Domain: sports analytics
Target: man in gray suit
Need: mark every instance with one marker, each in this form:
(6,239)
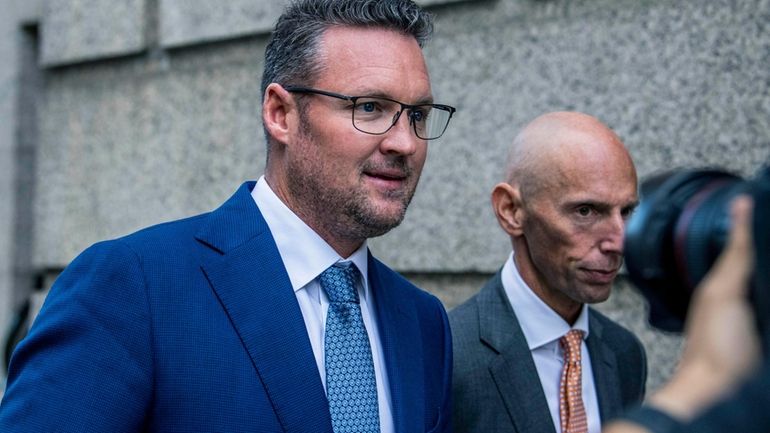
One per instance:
(570,187)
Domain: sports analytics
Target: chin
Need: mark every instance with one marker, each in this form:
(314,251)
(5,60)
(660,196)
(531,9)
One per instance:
(596,297)
(592,293)
(389,209)
(388,221)
(373,224)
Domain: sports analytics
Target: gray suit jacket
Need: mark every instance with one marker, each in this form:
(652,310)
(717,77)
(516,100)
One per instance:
(495,383)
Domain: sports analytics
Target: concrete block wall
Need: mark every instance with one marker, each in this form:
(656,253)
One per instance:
(17,50)
(149,110)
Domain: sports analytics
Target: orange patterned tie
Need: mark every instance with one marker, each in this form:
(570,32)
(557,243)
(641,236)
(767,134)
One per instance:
(571,410)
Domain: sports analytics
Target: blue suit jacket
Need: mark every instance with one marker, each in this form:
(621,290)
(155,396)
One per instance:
(192,326)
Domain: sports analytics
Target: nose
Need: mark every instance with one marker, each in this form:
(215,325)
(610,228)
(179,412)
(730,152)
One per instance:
(401,138)
(613,233)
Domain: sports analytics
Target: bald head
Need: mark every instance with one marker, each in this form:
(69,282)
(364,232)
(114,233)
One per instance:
(571,187)
(555,145)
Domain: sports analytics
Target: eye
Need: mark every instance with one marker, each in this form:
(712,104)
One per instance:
(584,210)
(370,108)
(419,115)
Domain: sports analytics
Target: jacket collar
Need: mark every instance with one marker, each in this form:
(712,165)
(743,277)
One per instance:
(248,278)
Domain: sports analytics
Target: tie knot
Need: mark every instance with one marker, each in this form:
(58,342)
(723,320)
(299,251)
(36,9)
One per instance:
(338,281)
(570,342)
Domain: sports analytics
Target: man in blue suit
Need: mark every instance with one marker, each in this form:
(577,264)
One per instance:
(222,322)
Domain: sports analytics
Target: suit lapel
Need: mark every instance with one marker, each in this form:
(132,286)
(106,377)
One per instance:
(605,370)
(397,323)
(513,370)
(253,287)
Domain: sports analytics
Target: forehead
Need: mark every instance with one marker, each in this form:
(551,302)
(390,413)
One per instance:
(362,60)
(588,175)
(592,187)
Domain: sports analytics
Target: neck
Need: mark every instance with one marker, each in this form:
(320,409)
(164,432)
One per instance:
(341,245)
(567,308)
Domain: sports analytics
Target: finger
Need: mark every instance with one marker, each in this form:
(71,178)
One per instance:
(737,260)
(741,217)
(729,275)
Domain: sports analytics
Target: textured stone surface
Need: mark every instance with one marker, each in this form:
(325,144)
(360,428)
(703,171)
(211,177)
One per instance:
(451,288)
(683,83)
(79,30)
(684,86)
(440,2)
(190,21)
(184,22)
(13,245)
(8,51)
(129,144)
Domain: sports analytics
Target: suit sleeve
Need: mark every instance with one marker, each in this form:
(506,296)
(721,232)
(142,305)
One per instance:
(86,364)
(445,423)
(745,411)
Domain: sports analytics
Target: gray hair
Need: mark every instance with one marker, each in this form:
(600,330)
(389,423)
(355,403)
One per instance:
(291,56)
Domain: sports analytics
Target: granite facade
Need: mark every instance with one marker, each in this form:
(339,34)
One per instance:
(185,128)
(683,83)
(82,30)
(8,79)
(184,22)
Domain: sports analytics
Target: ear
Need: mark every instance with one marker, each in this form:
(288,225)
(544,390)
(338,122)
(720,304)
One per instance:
(506,202)
(279,113)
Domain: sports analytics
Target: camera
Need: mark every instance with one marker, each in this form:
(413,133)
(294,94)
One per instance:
(677,232)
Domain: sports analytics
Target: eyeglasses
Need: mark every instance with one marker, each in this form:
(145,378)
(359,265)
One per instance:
(376,115)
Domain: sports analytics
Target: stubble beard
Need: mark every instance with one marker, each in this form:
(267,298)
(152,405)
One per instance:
(343,213)
(368,221)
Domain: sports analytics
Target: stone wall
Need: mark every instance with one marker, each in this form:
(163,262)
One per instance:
(149,110)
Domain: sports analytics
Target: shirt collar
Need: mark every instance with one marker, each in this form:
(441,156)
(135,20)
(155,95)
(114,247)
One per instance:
(304,253)
(539,323)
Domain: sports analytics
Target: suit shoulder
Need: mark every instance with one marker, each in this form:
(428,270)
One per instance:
(611,327)
(465,312)
(488,298)
(624,342)
(164,231)
(157,243)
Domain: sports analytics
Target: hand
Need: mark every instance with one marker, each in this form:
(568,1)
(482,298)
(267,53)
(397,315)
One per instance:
(722,346)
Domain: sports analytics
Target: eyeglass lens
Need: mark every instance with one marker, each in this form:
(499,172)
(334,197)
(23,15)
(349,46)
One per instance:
(376,116)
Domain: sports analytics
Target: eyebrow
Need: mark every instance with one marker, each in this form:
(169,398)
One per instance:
(380,94)
(599,205)
(633,205)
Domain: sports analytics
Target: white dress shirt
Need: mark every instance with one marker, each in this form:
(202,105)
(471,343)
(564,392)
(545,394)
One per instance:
(543,327)
(305,255)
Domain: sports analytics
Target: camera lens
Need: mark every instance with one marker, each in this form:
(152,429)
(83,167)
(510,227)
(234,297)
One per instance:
(674,236)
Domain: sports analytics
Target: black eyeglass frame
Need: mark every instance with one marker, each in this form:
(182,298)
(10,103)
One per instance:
(408,107)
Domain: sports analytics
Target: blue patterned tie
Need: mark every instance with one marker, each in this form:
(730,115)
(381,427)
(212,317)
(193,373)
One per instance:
(350,383)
